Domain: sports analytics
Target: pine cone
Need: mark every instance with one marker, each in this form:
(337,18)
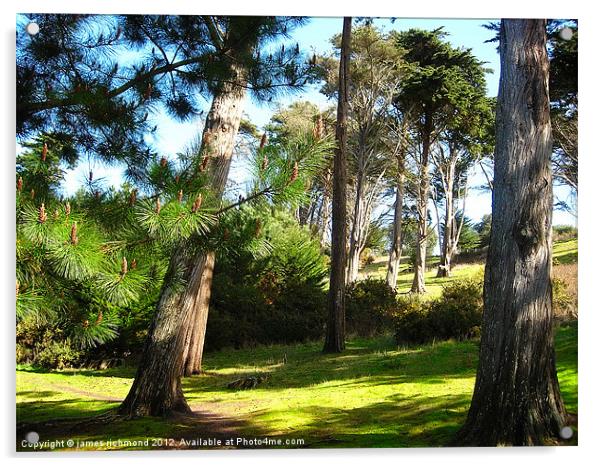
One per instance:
(20,184)
(133,197)
(44,152)
(163,162)
(74,238)
(42,215)
(124,266)
(264,140)
(158,205)
(67,209)
(180,195)
(197,203)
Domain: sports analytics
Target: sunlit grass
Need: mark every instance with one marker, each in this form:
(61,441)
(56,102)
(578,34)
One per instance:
(374,395)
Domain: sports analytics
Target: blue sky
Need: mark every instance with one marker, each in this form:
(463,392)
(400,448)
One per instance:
(172,136)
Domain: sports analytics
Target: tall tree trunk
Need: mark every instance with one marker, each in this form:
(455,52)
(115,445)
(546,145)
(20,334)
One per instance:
(448,246)
(396,242)
(516,399)
(325,211)
(195,333)
(335,330)
(357,224)
(418,285)
(157,386)
(226,106)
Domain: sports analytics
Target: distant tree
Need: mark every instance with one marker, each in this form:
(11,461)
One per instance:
(298,118)
(439,87)
(374,76)
(564,100)
(517,398)
(484,230)
(460,146)
(335,330)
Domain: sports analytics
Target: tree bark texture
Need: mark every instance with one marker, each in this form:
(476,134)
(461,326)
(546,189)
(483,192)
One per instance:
(418,285)
(449,233)
(178,327)
(516,400)
(222,126)
(335,330)
(395,253)
(358,222)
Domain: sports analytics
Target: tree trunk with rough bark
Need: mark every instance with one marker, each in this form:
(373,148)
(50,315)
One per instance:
(195,337)
(220,133)
(357,225)
(335,330)
(516,399)
(448,246)
(418,285)
(395,253)
(178,328)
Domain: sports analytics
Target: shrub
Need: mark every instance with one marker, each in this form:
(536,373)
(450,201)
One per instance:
(58,355)
(456,314)
(564,232)
(459,310)
(411,320)
(277,297)
(367,257)
(564,299)
(45,346)
(369,304)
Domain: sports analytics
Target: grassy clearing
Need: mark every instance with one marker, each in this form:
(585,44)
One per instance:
(373,395)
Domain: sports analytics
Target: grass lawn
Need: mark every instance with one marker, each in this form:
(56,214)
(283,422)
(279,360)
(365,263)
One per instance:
(375,394)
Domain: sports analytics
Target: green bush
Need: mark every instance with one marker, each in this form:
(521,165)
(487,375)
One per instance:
(459,310)
(411,320)
(369,304)
(278,297)
(456,314)
(58,355)
(564,232)
(564,302)
(45,346)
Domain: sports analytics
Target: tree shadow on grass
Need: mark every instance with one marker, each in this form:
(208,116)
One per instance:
(430,364)
(414,421)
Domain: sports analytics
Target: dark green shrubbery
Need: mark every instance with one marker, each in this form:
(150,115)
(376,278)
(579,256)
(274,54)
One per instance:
(456,314)
(45,346)
(369,304)
(271,296)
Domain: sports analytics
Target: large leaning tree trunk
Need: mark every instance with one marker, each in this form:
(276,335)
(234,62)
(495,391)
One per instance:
(516,399)
(227,106)
(181,314)
(335,329)
(418,285)
(397,240)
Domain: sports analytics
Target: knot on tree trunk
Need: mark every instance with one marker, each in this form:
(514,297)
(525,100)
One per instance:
(527,235)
